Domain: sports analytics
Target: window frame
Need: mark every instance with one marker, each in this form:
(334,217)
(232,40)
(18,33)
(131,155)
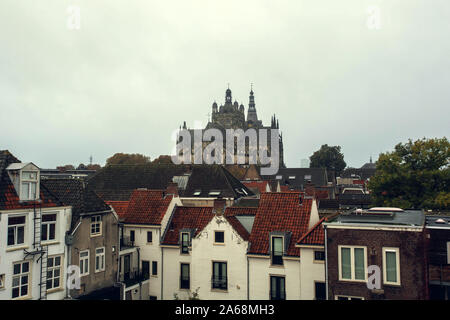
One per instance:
(397,265)
(86,261)
(184,249)
(319,260)
(20,275)
(283,294)
(352,263)
(154,272)
(183,264)
(48,224)
(220,278)
(151,236)
(273,261)
(28,182)
(52,269)
(101,256)
(215,237)
(98,222)
(15,226)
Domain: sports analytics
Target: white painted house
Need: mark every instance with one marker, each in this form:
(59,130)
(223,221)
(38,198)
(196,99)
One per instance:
(33,225)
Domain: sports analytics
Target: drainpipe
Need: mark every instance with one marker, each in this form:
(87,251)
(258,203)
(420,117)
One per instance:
(326,262)
(162,272)
(248,280)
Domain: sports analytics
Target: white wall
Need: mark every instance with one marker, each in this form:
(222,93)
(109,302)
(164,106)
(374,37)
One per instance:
(261,270)
(310,272)
(10,255)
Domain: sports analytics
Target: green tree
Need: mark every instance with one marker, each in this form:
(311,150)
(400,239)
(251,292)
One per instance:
(329,157)
(415,175)
(126,158)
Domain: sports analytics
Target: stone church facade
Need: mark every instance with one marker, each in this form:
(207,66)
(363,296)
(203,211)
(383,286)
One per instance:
(231,115)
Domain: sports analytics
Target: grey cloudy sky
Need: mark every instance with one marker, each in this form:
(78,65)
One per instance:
(136,69)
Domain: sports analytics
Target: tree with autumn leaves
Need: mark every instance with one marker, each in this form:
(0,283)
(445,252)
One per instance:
(414,175)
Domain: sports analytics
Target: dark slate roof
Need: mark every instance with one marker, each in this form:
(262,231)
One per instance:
(117,182)
(9,198)
(431,221)
(319,177)
(364,173)
(76,193)
(405,218)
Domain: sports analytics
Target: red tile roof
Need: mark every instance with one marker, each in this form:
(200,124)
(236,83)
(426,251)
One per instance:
(9,200)
(315,236)
(120,207)
(260,186)
(147,207)
(232,212)
(187,218)
(279,211)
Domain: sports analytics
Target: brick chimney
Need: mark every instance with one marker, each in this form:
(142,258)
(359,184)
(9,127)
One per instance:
(172,189)
(219,206)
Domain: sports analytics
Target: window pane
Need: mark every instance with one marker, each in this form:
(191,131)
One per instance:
(25,267)
(50,262)
(359,264)
(11,236)
(391,266)
(33,190)
(20,235)
(57,261)
(52,232)
(49,217)
(345,263)
(16,220)
(278,245)
(24,191)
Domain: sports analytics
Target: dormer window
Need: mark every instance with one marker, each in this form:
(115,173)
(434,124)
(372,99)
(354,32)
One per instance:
(277,250)
(197,192)
(25,178)
(215,193)
(184,242)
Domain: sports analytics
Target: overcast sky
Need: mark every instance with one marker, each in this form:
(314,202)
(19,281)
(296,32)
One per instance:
(136,69)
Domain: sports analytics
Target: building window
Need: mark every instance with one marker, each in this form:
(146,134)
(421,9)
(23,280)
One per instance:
(277,288)
(184,276)
(132,237)
(320,291)
(149,236)
(184,242)
(352,263)
(28,185)
(319,255)
(146,269)
(2,281)
(448,252)
(96,225)
(391,266)
(48,231)
(53,272)
(219,237)
(219,277)
(16,230)
(307,178)
(277,250)
(84,263)
(100,259)
(21,279)
(154,268)
(348,298)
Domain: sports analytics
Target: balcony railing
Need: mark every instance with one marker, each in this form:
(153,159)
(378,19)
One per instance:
(125,243)
(219,283)
(134,277)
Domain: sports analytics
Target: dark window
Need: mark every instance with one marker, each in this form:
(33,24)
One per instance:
(277,288)
(319,255)
(184,276)
(185,242)
(132,235)
(154,268)
(146,269)
(219,237)
(153,297)
(320,291)
(219,278)
(277,250)
(149,236)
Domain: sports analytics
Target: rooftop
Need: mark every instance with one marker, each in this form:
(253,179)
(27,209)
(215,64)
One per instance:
(441,222)
(380,217)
